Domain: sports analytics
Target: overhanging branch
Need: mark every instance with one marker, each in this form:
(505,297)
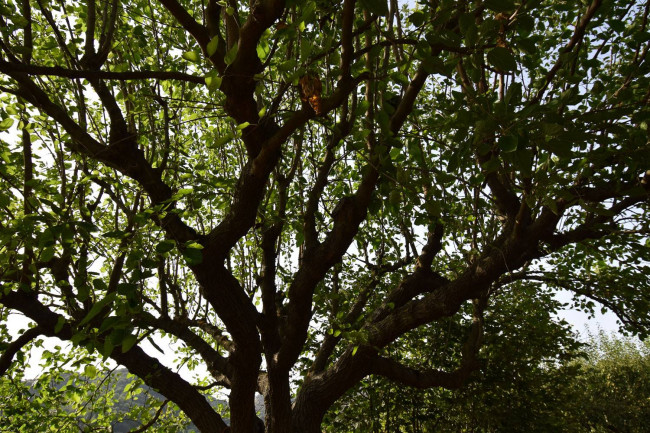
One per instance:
(15,346)
(58,71)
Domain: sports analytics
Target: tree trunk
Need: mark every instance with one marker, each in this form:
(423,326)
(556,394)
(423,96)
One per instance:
(278,402)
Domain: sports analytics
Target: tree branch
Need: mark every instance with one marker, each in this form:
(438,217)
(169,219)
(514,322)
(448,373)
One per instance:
(15,346)
(198,32)
(421,379)
(123,155)
(216,364)
(578,34)
(348,215)
(58,71)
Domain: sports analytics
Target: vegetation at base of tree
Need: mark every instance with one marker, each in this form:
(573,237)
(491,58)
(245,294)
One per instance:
(309,199)
(602,385)
(69,398)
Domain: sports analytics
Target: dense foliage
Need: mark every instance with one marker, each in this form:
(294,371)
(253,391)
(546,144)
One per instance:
(314,197)
(601,387)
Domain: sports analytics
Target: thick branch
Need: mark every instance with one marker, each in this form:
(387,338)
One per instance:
(106,38)
(15,346)
(348,215)
(431,248)
(215,362)
(58,71)
(422,379)
(251,185)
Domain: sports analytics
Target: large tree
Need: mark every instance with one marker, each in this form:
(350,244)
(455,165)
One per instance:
(294,191)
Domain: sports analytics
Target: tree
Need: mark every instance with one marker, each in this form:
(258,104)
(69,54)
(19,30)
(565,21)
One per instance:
(292,190)
(613,386)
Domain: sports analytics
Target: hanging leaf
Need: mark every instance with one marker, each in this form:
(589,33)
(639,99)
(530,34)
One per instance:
(230,55)
(211,48)
(508,143)
(192,56)
(502,59)
(97,307)
(6,124)
(128,342)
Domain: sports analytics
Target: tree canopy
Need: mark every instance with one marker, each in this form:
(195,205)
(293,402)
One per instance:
(304,194)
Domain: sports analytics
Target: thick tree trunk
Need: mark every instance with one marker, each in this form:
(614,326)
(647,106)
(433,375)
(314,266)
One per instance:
(278,402)
(307,420)
(242,395)
(311,404)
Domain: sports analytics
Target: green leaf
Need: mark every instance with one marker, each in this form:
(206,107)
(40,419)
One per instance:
(230,55)
(127,289)
(194,245)
(213,81)
(354,350)
(47,254)
(98,307)
(165,246)
(90,371)
(508,143)
(108,348)
(19,21)
(192,56)
(491,165)
(128,342)
(288,66)
(116,234)
(263,50)
(110,322)
(417,18)
(211,48)
(100,285)
(60,321)
(6,124)
(552,129)
(502,59)
(219,142)
(193,256)
(561,148)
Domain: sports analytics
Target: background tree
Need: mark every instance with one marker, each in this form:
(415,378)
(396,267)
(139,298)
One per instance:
(611,391)
(290,190)
(545,382)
